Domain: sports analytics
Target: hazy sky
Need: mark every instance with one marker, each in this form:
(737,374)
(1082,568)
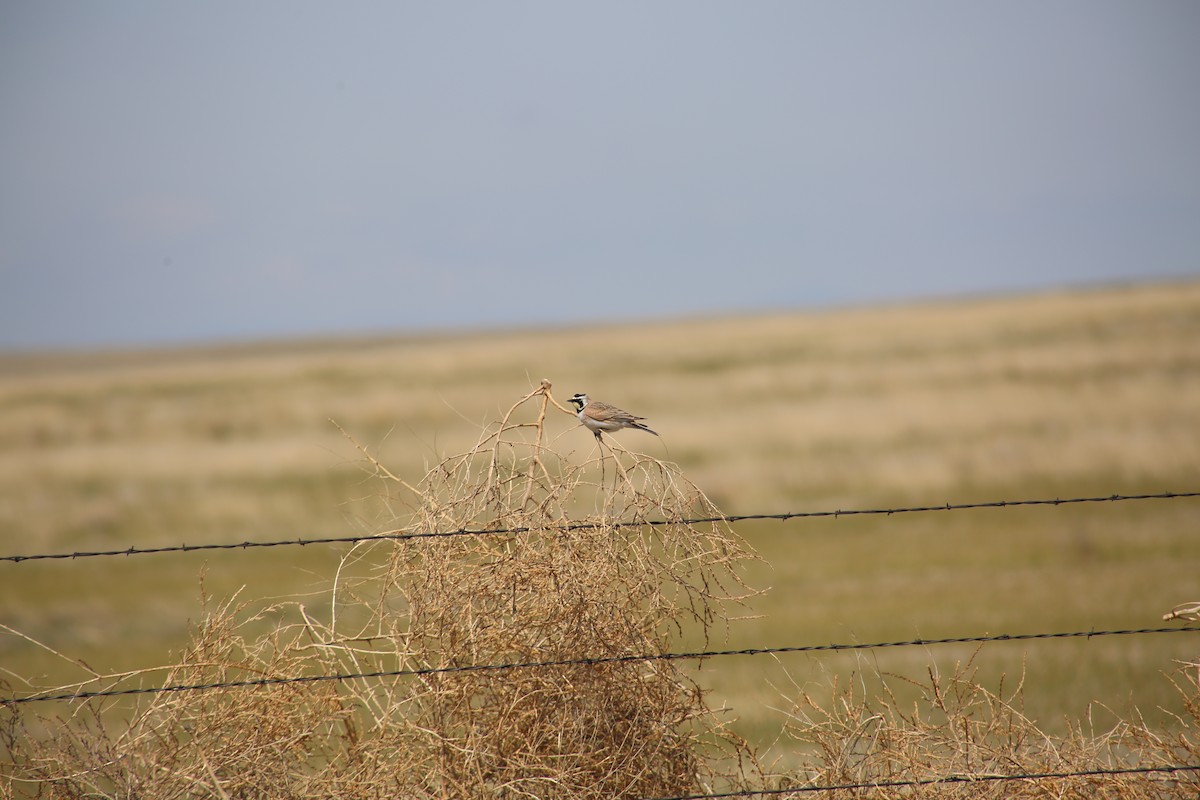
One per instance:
(192,171)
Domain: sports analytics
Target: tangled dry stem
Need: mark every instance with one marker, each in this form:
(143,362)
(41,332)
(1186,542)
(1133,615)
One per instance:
(956,728)
(594,589)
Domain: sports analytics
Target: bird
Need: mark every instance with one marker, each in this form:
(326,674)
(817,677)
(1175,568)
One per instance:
(597,416)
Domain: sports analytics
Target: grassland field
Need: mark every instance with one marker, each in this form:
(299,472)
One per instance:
(1062,394)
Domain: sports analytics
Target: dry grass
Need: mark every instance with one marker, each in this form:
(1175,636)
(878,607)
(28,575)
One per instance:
(946,735)
(593,590)
(573,580)
(1055,395)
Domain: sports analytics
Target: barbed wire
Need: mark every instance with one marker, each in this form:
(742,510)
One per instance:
(752,651)
(399,535)
(914,782)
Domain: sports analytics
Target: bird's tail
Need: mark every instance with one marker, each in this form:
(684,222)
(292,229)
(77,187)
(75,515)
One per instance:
(642,427)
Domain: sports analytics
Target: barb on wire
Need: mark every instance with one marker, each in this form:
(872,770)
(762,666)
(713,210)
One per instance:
(731,518)
(751,651)
(914,782)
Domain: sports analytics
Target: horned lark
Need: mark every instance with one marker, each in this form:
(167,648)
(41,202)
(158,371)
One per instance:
(597,416)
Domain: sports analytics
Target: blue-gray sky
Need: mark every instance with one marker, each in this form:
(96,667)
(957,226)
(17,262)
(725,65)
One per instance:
(192,171)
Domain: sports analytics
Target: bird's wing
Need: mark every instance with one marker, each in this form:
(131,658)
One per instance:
(603,412)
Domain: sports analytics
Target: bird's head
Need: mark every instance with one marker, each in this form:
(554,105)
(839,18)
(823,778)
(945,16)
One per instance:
(580,400)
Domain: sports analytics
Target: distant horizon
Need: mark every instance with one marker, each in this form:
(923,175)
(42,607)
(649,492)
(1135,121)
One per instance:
(335,339)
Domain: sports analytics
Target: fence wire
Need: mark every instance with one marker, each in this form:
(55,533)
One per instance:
(697,655)
(947,779)
(400,535)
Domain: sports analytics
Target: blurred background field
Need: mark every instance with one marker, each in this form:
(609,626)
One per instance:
(1052,395)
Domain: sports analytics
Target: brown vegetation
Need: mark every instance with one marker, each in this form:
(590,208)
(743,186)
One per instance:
(1056,395)
(545,593)
(958,739)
